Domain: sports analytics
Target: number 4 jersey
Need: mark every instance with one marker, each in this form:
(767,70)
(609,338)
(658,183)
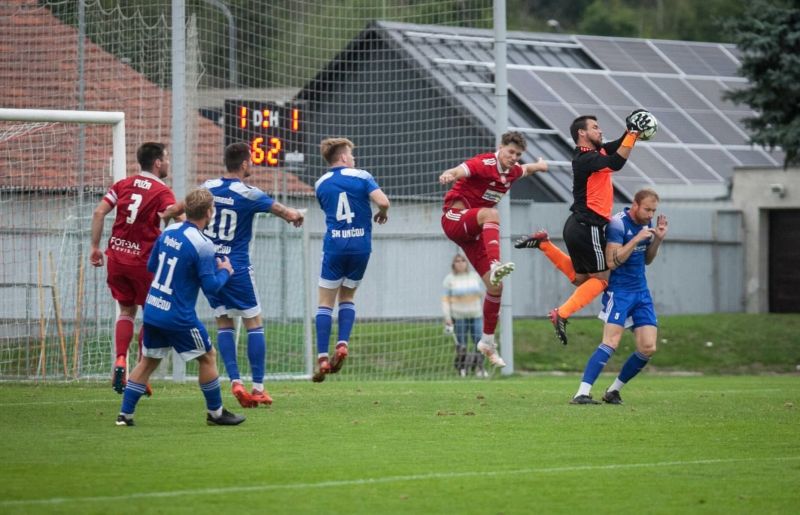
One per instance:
(138,199)
(231,228)
(343,194)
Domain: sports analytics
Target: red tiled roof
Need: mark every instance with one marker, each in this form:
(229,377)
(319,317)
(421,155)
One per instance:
(39,70)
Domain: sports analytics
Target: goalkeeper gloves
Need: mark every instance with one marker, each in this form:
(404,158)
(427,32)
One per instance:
(639,120)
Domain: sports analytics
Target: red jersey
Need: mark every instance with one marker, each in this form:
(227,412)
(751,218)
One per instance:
(138,200)
(485,183)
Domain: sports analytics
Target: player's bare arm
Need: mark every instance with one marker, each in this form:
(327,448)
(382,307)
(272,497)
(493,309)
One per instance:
(98,217)
(173,212)
(617,255)
(290,214)
(382,201)
(452,175)
(659,232)
(539,166)
(223,263)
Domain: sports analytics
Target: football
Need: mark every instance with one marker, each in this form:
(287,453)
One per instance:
(647,124)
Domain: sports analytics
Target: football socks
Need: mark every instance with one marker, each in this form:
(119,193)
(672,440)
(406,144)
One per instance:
(227,349)
(257,353)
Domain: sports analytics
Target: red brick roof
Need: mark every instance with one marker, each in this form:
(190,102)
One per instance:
(39,70)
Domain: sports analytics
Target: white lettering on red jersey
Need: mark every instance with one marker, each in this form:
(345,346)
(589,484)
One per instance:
(484,185)
(138,199)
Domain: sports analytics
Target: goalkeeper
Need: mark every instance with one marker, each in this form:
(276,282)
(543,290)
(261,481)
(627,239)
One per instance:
(593,163)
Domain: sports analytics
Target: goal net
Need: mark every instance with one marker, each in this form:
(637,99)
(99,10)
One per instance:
(310,70)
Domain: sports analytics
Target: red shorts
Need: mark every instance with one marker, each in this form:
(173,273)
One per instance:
(461,226)
(129,284)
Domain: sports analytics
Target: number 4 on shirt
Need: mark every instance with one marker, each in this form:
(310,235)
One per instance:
(343,211)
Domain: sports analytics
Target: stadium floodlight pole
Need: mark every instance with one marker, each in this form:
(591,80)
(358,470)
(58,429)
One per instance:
(179,121)
(501,125)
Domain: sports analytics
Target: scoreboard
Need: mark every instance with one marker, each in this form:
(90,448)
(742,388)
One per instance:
(272,130)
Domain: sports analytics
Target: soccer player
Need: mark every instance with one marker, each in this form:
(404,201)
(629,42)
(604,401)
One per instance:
(593,163)
(231,229)
(633,242)
(471,220)
(344,194)
(142,201)
(182,262)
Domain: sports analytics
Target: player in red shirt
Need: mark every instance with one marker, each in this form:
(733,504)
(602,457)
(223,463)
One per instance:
(471,220)
(142,201)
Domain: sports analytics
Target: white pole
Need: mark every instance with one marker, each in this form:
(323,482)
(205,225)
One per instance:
(501,125)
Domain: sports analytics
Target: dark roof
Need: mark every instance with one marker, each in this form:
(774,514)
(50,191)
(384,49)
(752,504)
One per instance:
(554,78)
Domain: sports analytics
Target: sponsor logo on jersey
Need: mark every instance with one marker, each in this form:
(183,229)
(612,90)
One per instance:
(491,161)
(142,183)
(172,242)
(223,200)
(493,196)
(123,245)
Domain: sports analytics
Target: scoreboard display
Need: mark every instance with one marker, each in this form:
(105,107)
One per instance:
(272,130)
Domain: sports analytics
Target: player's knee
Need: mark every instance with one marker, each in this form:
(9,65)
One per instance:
(647,348)
(489,214)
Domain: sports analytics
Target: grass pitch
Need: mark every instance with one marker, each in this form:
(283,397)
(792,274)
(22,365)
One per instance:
(677,445)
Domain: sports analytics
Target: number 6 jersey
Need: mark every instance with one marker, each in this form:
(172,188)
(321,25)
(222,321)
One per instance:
(231,228)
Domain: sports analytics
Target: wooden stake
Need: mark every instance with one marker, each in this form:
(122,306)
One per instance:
(78,312)
(42,368)
(57,309)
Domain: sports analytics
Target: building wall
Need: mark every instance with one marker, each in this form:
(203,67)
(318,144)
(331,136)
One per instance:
(755,192)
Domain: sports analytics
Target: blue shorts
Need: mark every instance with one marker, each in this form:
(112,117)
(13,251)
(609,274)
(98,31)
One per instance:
(188,343)
(238,298)
(342,270)
(628,309)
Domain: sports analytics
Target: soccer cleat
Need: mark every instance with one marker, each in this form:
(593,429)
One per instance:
(560,325)
(244,398)
(533,241)
(148,390)
(490,351)
(612,397)
(338,358)
(226,419)
(324,369)
(261,397)
(118,377)
(498,271)
(583,399)
(122,420)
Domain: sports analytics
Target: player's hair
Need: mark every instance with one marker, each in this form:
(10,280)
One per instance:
(513,138)
(458,257)
(198,202)
(332,148)
(645,193)
(579,124)
(235,155)
(147,153)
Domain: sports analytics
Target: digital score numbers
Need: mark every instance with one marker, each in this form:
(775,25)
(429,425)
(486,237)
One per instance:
(271,130)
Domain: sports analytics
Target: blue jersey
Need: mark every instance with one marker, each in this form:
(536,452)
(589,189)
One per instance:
(343,194)
(182,262)
(231,228)
(631,275)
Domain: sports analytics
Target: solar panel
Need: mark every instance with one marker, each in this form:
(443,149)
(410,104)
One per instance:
(680,126)
(645,56)
(529,88)
(606,90)
(712,91)
(752,157)
(565,87)
(609,54)
(718,160)
(644,94)
(716,59)
(687,164)
(655,168)
(684,58)
(681,93)
(723,130)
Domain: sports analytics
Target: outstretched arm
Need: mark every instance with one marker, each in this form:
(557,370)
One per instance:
(539,166)
(452,175)
(290,214)
(98,217)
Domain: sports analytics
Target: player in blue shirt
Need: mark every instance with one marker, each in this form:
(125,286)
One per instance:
(344,194)
(231,229)
(632,243)
(182,261)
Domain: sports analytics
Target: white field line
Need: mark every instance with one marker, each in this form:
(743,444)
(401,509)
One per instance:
(381,480)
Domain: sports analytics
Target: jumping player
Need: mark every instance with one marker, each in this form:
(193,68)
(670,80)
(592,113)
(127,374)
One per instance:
(142,201)
(471,220)
(344,194)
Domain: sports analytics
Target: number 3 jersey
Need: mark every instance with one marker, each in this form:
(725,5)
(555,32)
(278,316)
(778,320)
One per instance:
(138,199)
(343,194)
(182,262)
(231,228)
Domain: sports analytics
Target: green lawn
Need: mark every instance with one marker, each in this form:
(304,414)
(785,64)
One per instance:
(677,445)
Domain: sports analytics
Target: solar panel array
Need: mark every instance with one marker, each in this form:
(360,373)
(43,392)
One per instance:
(555,78)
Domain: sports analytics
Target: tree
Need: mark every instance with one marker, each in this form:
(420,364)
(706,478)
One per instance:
(609,18)
(768,35)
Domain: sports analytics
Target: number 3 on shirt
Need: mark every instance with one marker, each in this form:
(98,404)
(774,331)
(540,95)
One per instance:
(343,211)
